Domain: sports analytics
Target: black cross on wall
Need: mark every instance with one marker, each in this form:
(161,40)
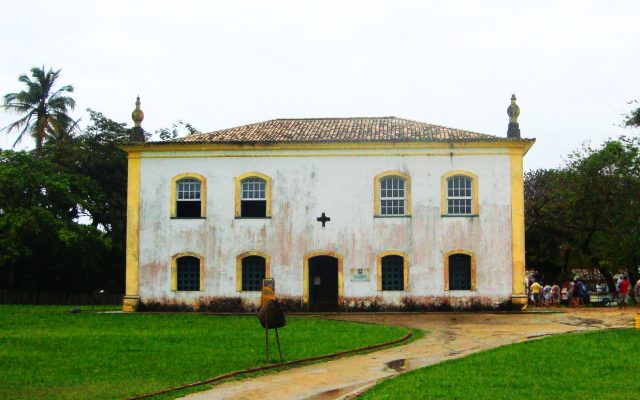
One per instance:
(324,219)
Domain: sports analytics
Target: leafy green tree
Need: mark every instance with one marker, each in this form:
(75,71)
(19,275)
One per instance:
(42,246)
(586,213)
(44,109)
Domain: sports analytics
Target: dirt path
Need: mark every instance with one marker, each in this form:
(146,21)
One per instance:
(450,335)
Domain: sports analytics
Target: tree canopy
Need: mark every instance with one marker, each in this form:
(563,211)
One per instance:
(586,214)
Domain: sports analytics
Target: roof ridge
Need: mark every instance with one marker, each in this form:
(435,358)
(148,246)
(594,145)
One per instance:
(448,127)
(330,118)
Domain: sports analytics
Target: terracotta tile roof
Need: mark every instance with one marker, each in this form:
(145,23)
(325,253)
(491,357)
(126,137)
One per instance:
(384,129)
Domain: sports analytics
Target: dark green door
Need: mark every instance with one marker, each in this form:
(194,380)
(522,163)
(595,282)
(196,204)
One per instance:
(323,283)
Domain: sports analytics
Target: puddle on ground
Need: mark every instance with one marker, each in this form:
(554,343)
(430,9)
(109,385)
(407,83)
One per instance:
(399,365)
(583,322)
(334,393)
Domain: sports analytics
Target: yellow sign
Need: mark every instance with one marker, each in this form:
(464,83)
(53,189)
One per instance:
(268,291)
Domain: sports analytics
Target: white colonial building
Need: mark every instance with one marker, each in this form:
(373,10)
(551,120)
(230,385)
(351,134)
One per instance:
(341,212)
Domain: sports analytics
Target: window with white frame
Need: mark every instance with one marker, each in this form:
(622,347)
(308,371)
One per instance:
(392,195)
(253,200)
(188,198)
(459,195)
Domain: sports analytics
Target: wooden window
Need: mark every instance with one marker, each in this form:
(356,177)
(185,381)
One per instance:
(253,202)
(253,272)
(459,272)
(188,198)
(459,195)
(188,273)
(393,272)
(392,196)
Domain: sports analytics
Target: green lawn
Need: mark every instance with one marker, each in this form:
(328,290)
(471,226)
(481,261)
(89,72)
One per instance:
(595,365)
(46,352)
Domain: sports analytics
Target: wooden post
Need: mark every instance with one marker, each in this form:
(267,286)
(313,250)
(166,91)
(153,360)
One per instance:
(279,350)
(266,331)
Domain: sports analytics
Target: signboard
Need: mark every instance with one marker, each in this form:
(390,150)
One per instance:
(268,291)
(360,275)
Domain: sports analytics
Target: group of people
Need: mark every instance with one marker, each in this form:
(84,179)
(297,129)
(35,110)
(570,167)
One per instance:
(545,295)
(576,291)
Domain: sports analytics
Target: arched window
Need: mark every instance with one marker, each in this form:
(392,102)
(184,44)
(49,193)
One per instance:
(392,271)
(253,196)
(188,200)
(188,196)
(460,270)
(251,268)
(392,194)
(460,197)
(187,271)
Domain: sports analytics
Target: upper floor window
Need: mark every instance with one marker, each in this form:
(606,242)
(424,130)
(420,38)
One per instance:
(392,194)
(460,194)
(187,272)
(188,200)
(251,268)
(253,196)
(188,196)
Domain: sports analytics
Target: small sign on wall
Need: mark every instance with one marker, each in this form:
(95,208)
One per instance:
(268,290)
(360,275)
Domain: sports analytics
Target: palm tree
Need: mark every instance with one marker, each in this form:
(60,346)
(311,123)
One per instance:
(45,111)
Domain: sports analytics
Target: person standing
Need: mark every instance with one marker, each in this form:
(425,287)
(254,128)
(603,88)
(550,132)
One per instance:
(623,288)
(556,294)
(535,291)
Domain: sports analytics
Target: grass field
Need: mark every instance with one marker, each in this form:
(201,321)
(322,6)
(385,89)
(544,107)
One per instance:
(46,352)
(595,365)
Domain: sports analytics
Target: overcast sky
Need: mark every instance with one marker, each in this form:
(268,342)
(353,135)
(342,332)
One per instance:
(572,64)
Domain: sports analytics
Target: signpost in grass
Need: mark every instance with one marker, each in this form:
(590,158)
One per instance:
(270,315)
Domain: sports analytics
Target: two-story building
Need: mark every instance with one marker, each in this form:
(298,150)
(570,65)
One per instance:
(341,212)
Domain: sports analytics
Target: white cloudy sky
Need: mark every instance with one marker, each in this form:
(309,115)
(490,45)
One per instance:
(572,64)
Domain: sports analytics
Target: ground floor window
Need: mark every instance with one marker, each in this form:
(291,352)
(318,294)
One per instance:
(188,273)
(392,272)
(459,272)
(253,272)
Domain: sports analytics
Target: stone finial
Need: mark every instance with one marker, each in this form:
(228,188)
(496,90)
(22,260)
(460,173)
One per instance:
(137,133)
(137,115)
(513,131)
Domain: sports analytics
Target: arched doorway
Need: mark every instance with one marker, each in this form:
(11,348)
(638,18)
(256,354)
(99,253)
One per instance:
(323,281)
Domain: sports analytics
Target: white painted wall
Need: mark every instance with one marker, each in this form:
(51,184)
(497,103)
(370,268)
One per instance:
(342,187)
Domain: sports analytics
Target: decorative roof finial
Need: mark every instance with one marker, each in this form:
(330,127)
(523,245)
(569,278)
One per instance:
(513,131)
(137,133)
(137,115)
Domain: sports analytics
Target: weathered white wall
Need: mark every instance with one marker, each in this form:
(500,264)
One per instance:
(342,187)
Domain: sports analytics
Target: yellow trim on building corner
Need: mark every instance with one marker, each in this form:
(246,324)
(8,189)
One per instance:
(376,190)
(203,191)
(174,269)
(405,260)
(305,274)
(238,189)
(132,294)
(239,257)
(475,206)
(473,267)
(518,296)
